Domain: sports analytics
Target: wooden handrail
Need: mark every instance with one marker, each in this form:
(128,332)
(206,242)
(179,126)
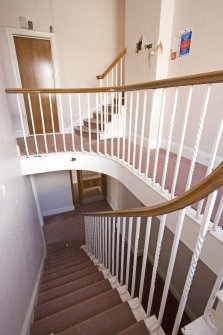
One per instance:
(198,192)
(117,59)
(198,79)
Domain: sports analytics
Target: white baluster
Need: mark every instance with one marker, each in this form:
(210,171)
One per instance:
(105,122)
(97,126)
(22,125)
(170,134)
(112,133)
(179,154)
(89,121)
(151,126)
(97,237)
(124,125)
(106,242)
(198,137)
(71,122)
(113,246)
(119,115)
(142,131)
(117,247)
(130,128)
(123,249)
(33,125)
(135,130)
(100,240)
(128,251)
(121,72)
(197,251)
(43,124)
(103,239)
(52,121)
(159,138)
(156,262)
(145,257)
(218,214)
(85,229)
(138,224)
(109,243)
(112,77)
(213,157)
(62,122)
(80,121)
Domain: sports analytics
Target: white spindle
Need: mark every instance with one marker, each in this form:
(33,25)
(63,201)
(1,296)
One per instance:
(218,214)
(89,121)
(109,243)
(112,77)
(33,125)
(159,138)
(117,247)
(119,115)
(43,124)
(183,132)
(138,223)
(80,121)
(198,137)
(97,237)
(123,249)
(22,125)
(130,128)
(62,122)
(135,131)
(145,257)
(128,251)
(156,262)
(151,126)
(113,246)
(97,126)
(103,239)
(170,134)
(106,241)
(213,157)
(124,125)
(142,130)
(216,288)
(100,240)
(173,254)
(107,79)
(52,121)
(105,122)
(112,134)
(121,72)
(71,122)
(197,251)
(85,229)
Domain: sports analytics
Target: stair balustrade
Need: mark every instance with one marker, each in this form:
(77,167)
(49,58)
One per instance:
(113,239)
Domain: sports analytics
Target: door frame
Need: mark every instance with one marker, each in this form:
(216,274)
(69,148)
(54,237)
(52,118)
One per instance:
(11,32)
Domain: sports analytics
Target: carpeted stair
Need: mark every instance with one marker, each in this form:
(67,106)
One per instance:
(77,296)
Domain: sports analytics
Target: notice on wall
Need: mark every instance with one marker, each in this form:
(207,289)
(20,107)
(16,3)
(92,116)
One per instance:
(185,42)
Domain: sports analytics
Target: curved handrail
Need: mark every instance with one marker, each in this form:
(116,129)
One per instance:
(198,192)
(110,67)
(198,79)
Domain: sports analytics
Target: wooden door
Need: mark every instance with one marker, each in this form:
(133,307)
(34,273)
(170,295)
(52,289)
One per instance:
(36,71)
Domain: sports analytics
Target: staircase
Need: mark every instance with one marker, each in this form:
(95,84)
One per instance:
(78,296)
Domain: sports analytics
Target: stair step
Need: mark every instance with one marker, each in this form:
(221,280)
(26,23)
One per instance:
(65,265)
(57,258)
(109,115)
(138,328)
(66,278)
(62,251)
(86,277)
(85,132)
(63,272)
(71,299)
(63,261)
(75,314)
(109,322)
(93,123)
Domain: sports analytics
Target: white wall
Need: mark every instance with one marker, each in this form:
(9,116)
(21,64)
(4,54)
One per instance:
(54,192)
(21,240)
(142,17)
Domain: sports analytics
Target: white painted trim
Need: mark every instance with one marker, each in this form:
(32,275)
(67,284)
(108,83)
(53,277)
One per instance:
(35,193)
(58,210)
(32,34)
(30,311)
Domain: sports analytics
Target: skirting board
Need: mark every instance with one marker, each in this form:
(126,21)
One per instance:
(58,210)
(29,314)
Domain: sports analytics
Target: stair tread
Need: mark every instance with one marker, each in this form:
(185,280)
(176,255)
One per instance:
(66,249)
(109,322)
(67,278)
(68,259)
(87,276)
(85,129)
(55,258)
(76,314)
(135,329)
(71,298)
(63,272)
(65,265)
